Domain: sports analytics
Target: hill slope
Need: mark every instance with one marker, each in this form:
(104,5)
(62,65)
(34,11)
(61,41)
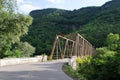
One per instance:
(94,23)
(107,21)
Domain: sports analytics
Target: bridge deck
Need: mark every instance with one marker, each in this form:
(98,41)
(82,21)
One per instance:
(35,71)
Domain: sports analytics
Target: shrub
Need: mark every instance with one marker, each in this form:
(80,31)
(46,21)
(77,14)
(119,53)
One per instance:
(84,68)
(113,41)
(25,48)
(105,64)
(18,53)
(79,60)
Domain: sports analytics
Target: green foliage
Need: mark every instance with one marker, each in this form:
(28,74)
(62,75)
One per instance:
(112,41)
(17,53)
(104,65)
(96,31)
(8,5)
(25,48)
(49,22)
(104,52)
(94,26)
(79,60)
(83,59)
(72,73)
(13,25)
(84,68)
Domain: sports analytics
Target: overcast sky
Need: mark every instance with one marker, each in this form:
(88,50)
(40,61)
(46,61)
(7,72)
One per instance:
(25,6)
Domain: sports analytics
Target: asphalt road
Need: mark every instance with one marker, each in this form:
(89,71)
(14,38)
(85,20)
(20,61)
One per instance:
(35,71)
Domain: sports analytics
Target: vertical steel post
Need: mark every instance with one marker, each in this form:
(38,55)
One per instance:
(54,45)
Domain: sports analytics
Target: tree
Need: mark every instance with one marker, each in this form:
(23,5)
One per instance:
(13,25)
(26,49)
(113,41)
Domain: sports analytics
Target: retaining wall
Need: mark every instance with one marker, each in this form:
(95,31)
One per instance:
(72,62)
(15,61)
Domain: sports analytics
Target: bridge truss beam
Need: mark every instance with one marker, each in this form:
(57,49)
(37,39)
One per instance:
(64,47)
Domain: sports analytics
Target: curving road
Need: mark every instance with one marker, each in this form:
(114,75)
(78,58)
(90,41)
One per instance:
(35,71)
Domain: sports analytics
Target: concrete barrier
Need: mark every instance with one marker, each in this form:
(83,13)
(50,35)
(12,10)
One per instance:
(72,62)
(15,61)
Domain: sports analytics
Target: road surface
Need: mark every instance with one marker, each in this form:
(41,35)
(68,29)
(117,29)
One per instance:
(35,71)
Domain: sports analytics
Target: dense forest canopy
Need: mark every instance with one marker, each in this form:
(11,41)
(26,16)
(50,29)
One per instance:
(94,23)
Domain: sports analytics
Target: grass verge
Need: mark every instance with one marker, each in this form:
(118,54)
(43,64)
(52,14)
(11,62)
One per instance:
(70,72)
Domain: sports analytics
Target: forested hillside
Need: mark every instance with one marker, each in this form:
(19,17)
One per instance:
(94,23)
(108,20)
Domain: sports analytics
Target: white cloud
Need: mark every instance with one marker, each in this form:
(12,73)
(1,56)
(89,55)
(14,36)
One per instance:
(23,2)
(57,1)
(29,2)
(20,1)
(26,8)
